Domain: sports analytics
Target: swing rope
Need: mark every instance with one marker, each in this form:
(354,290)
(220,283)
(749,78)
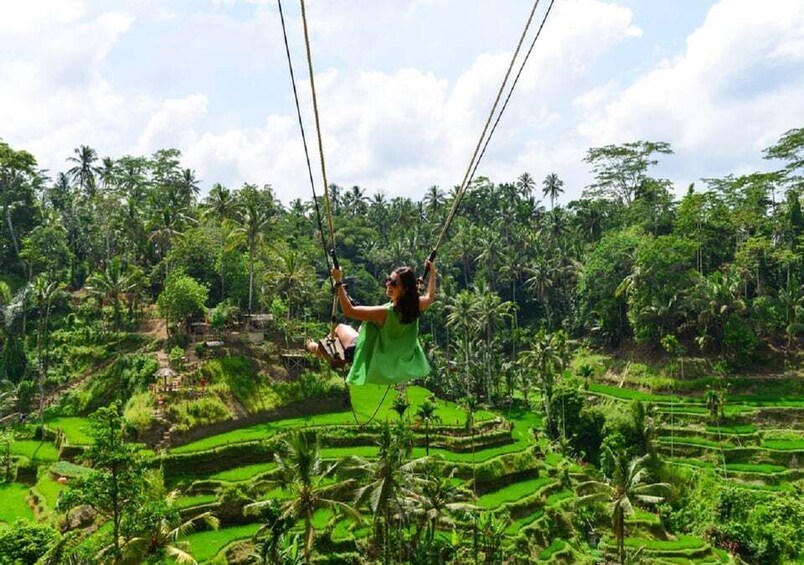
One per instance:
(331,253)
(485,139)
(304,141)
(474,162)
(334,316)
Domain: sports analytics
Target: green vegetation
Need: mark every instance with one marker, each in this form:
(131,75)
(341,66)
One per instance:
(14,506)
(205,545)
(626,366)
(75,429)
(41,451)
(511,493)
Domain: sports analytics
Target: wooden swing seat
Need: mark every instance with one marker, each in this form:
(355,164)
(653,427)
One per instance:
(333,351)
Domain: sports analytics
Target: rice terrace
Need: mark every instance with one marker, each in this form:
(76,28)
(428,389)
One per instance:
(592,364)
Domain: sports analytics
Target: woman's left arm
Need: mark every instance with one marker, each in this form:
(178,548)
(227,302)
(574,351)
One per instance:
(429,295)
(374,314)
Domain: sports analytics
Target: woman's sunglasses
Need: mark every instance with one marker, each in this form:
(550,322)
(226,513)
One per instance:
(392,282)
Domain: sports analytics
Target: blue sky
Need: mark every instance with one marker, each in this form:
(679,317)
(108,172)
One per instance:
(404,86)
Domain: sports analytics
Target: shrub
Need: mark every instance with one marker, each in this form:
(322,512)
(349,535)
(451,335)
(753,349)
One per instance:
(206,410)
(739,339)
(139,413)
(25,542)
(127,375)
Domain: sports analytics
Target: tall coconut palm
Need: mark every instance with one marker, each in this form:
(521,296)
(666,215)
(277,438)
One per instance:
(525,185)
(627,485)
(426,415)
(552,187)
(440,500)
(45,291)
(462,317)
(220,203)
(301,472)
(546,357)
(187,186)
(107,173)
(389,484)
(293,276)
(355,201)
(490,311)
(434,200)
(168,221)
(84,170)
(253,221)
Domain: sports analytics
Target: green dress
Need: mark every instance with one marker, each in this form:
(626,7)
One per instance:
(388,354)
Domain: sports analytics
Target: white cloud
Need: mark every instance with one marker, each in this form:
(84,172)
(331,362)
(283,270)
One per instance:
(402,100)
(735,89)
(171,123)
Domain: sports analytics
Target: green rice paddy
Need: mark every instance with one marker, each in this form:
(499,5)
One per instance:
(74,428)
(512,492)
(14,507)
(245,473)
(205,545)
(38,451)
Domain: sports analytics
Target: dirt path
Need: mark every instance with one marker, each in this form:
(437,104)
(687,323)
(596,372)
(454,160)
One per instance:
(154,327)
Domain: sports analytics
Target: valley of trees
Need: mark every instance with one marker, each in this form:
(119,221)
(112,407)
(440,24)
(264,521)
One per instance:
(647,346)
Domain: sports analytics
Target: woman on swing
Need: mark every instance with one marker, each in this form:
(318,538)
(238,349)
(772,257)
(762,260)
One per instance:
(386,350)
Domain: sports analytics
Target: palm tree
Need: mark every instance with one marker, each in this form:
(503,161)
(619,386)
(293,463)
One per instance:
(107,173)
(426,415)
(168,221)
(301,472)
(253,222)
(109,283)
(389,484)
(551,187)
(294,277)
(271,534)
(44,291)
(490,248)
(355,201)
(525,185)
(187,185)
(546,357)
(490,311)
(462,317)
(84,170)
(792,301)
(401,403)
(162,538)
(439,500)
(626,486)
(434,200)
(220,203)
(471,404)
(715,297)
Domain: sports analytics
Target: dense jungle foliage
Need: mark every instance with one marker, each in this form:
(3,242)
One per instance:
(586,318)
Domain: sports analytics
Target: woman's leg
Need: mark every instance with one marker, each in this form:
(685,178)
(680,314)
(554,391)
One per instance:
(346,334)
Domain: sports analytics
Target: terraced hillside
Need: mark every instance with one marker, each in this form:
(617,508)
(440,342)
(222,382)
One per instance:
(494,479)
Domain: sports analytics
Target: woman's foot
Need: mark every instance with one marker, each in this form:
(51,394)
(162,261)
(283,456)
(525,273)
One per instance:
(311,346)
